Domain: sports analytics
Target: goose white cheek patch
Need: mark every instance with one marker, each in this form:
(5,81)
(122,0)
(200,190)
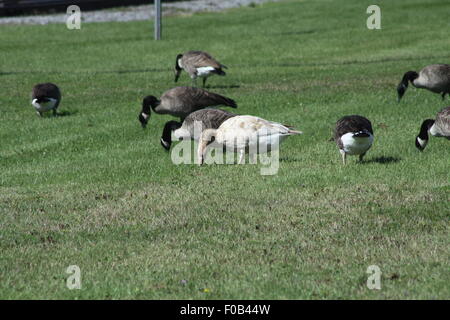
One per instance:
(422,143)
(44,106)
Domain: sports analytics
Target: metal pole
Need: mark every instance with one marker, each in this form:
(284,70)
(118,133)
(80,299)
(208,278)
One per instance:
(157,19)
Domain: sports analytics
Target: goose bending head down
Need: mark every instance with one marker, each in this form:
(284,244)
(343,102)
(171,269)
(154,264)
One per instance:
(435,78)
(45,97)
(193,125)
(438,127)
(353,136)
(244,134)
(198,64)
(182,101)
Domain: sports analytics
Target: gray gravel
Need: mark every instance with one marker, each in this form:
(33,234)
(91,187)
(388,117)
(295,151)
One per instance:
(135,13)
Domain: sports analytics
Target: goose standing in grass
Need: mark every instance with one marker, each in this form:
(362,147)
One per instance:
(353,135)
(243,134)
(207,118)
(198,64)
(435,77)
(440,127)
(45,97)
(180,102)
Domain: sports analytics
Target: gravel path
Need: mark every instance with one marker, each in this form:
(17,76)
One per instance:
(134,13)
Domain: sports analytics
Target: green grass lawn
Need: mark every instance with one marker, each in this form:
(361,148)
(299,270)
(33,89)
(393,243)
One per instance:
(93,189)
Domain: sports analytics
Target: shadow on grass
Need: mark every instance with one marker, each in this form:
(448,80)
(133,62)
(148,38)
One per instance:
(384,160)
(66,113)
(231,86)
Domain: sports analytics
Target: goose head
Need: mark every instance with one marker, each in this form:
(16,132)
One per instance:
(41,99)
(403,85)
(149,102)
(166,139)
(362,134)
(177,68)
(422,138)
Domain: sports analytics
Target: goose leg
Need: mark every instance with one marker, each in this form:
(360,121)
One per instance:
(343,155)
(204,81)
(54,112)
(39,113)
(361,157)
(443,95)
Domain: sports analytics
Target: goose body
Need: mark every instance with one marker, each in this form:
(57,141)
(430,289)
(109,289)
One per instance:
(435,78)
(353,136)
(243,134)
(198,64)
(439,127)
(205,119)
(181,101)
(45,97)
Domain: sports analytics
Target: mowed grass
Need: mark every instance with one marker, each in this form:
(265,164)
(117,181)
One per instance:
(91,188)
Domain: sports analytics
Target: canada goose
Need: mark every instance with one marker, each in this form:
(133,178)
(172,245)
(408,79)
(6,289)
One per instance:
(45,97)
(198,64)
(180,102)
(208,118)
(244,133)
(440,127)
(353,135)
(435,77)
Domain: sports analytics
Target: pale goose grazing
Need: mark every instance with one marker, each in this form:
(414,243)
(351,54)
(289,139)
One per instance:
(198,64)
(45,97)
(440,127)
(243,134)
(180,102)
(353,136)
(435,77)
(206,118)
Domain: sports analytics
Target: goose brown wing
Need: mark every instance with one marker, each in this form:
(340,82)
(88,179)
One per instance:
(353,123)
(442,122)
(198,59)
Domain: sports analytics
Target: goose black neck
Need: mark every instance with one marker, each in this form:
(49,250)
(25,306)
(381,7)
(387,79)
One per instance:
(409,76)
(145,108)
(426,125)
(149,102)
(167,132)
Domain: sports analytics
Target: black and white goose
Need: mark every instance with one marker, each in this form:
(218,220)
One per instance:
(435,77)
(198,64)
(193,125)
(45,97)
(353,135)
(439,127)
(180,102)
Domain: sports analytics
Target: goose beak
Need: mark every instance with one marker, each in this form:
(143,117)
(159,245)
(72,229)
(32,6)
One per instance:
(165,144)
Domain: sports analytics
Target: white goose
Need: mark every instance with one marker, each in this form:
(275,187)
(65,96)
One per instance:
(244,134)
